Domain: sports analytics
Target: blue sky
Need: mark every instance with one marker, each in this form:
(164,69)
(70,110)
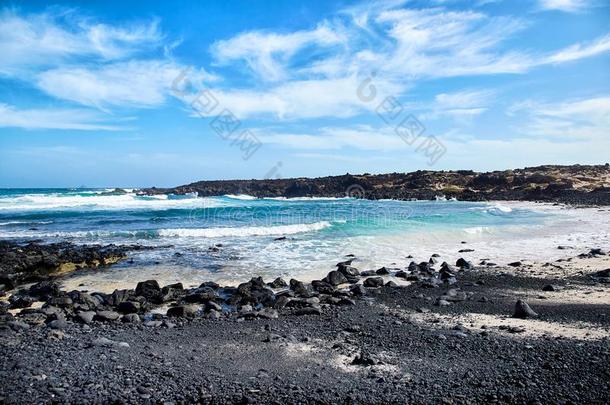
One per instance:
(105,93)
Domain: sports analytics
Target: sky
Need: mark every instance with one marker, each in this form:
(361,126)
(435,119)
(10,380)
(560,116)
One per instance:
(158,93)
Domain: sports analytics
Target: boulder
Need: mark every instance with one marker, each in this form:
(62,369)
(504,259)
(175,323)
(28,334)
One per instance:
(348,271)
(183,311)
(335,278)
(150,290)
(523,310)
(200,295)
(20,301)
(464,264)
(299,288)
(382,271)
(119,296)
(401,274)
(255,291)
(106,316)
(391,284)
(129,307)
(373,282)
(322,287)
(213,306)
(45,288)
(131,318)
(85,317)
(278,283)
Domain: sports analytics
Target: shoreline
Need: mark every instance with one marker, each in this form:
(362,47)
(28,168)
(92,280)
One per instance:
(438,330)
(390,342)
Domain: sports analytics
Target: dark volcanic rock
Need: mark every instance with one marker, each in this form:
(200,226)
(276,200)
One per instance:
(187,311)
(373,282)
(364,359)
(602,275)
(308,311)
(129,307)
(358,290)
(21,263)
(150,290)
(119,296)
(85,316)
(335,278)
(106,316)
(523,310)
(255,291)
(464,264)
(299,288)
(44,289)
(542,183)
(21,301)
(323,287)
(278,283)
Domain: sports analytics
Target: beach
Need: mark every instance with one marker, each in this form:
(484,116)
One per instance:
(310,202)
(394,343)
(419,301)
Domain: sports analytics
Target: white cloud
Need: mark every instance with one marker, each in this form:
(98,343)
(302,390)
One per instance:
(268,53)
(580,51)
(301,99)
(53,118)
(584,118)
(133,84)
(360,137)
(401,45)
(465,103)
(570,6)
(32,41)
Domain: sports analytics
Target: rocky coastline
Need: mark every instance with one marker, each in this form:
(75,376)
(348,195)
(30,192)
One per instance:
(37,261)
(356,336)
(575,185)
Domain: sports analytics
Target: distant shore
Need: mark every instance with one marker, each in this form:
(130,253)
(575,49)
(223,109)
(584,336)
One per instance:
(575,185)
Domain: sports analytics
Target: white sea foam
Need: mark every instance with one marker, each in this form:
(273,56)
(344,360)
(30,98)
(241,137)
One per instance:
(498,209)
(25,222)
(244,231)
(240,196)
(59,202)
(306,198)
(178,232)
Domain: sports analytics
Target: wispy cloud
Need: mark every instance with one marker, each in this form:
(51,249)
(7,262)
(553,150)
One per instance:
(143,84)
(465,103)
(401,45)
(357,137)
(580,51)
(570,6)
(303,99)
(28,42)
(53,118)
(268,53)
(583,118)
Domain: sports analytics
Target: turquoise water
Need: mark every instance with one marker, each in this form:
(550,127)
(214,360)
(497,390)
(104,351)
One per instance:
(318,231)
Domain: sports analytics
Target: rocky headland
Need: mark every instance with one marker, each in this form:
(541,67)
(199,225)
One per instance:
(575,185)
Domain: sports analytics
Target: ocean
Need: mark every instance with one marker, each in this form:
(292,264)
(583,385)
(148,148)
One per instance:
(234,237)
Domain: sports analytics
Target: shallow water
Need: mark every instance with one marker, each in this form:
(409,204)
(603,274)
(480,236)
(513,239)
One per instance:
(318,232)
